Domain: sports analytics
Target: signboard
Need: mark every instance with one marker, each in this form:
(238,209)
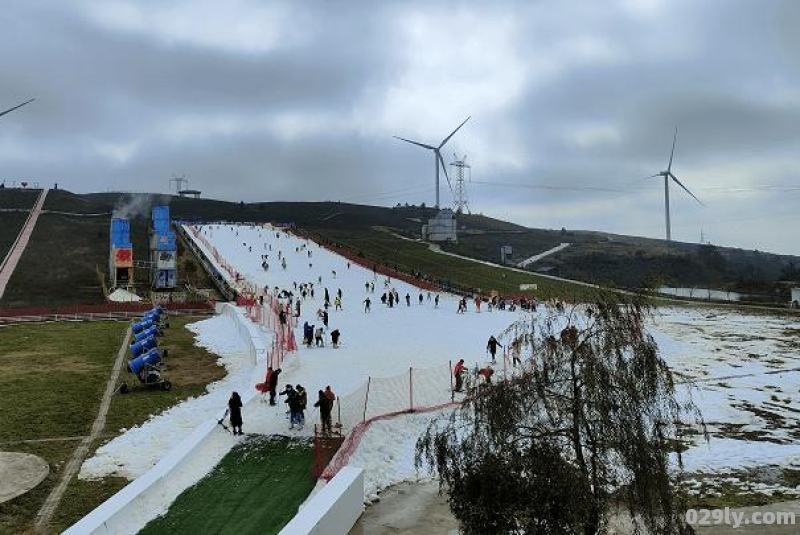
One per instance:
(165,278)
(524,287)
(165,260)
(123,258)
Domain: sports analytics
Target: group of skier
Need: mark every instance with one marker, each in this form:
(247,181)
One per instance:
(296,396)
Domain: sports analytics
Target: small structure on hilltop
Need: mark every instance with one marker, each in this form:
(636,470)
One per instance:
(441,227)
(163,251)
(187,192)
(795,301)
(506,252)
(120,259)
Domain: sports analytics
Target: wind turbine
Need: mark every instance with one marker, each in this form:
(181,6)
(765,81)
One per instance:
(437,156)
(15,107)
(667,175)
(9,110)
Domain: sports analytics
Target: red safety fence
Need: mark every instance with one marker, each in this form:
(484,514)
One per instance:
(218,258)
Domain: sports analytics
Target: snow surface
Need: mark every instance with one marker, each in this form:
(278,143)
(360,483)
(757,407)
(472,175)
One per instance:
(741,364)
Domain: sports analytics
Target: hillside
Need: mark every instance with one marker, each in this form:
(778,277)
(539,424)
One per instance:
(69,248)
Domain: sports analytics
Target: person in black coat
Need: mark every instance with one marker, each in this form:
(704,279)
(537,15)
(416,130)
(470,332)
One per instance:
(491,346)
(235,408)
(273,385)
(325,407)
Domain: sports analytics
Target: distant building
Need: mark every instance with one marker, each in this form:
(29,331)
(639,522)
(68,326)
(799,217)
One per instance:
(506,252)
(187,192)
(441,227)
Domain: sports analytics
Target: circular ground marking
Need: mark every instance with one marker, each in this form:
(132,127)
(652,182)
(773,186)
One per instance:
(19,473)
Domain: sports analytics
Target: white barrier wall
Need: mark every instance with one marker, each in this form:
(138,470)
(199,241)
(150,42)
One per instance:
(130,509)
(334,509)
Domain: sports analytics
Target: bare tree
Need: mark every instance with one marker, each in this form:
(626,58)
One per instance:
(585,429)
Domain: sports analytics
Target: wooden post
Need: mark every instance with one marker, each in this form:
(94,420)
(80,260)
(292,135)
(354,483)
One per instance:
(452,387)
(366,399)
(411,389)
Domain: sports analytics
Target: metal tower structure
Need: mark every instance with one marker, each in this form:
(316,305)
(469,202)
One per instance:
(460,192)
(181,182)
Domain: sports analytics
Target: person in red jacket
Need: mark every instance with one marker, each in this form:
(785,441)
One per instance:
(458,371)
(487,373)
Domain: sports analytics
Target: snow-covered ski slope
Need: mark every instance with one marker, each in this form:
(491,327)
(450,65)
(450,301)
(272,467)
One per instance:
(705,344)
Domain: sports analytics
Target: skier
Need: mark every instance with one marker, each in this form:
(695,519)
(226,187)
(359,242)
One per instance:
(487,373)
(366,304)
(303,402)
(335,337)
(408,300)
(337,303)
(235,408)
(436,302)
(325,406)
(516,348)
(318,339)
(325,318)
(458,372)
(272,382)
(491,347)
(420,298)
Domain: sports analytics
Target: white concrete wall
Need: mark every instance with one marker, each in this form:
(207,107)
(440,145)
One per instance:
(130,509)
(334,509)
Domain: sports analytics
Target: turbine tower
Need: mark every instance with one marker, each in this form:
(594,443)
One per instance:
(667,175)
(462,204)
(437,155)
(15,107)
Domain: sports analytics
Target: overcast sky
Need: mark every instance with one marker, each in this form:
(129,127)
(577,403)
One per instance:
(573,104)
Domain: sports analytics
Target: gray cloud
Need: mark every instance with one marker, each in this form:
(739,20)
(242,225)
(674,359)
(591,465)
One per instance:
(573,104)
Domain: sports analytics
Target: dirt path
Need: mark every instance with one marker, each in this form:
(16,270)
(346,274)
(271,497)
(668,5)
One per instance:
(45,514)
(9,263)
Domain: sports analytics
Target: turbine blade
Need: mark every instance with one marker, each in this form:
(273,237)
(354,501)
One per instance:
(15,107)
(685,188)
(671,154)
(415,142)
(453,132)
(444,168)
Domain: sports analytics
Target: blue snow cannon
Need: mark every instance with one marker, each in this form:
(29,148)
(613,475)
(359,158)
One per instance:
(142,325)
(147,333)
(143,346)
(149,359)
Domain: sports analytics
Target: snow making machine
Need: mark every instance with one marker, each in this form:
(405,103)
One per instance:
(147,363)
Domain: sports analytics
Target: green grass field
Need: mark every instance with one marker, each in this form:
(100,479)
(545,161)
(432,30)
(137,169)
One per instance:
(52,378)
(256,488)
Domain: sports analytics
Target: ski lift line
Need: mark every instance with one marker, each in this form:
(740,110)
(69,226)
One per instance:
(719,189)
(390,193)
(552,187)
(766,217)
